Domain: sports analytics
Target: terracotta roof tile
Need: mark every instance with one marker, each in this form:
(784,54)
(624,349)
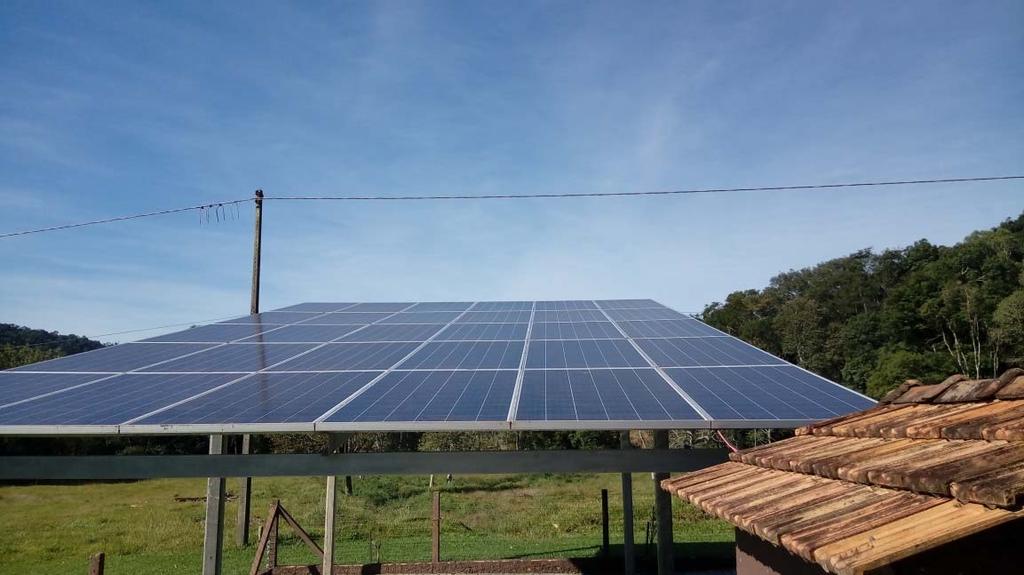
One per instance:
(856,492)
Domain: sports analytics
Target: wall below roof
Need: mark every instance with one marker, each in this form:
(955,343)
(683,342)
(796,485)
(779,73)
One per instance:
(993,551)
(755,556)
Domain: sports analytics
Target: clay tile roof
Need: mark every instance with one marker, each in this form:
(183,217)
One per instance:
(928,465)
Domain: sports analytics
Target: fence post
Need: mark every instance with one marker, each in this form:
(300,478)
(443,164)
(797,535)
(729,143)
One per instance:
(604,522)
(96,564)
(435,547)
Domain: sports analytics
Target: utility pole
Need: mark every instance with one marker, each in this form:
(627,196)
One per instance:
(244,503)
(254,305)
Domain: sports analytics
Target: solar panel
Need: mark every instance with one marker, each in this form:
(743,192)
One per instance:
(119,358)
(322,366)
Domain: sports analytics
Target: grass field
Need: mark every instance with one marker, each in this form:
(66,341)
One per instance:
(152,527)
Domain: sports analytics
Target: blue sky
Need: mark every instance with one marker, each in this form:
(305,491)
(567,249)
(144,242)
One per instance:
(110,108)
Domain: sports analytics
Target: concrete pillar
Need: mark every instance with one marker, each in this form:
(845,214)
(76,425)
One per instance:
(629,566)
(329,510)
(242,529)
(213,539)
(663,511)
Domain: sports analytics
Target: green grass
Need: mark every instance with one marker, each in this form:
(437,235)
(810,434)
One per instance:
(144,530)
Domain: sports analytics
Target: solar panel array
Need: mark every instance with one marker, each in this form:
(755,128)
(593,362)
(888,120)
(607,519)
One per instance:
(319,366)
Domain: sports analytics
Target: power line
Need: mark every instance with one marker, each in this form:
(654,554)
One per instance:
(124,218)
(656,193)
(518,197)
(97,337)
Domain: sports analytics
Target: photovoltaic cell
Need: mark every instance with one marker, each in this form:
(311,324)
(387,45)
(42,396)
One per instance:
(345,318)
(484,331)
(565,305)
(569,315)
(578,330)
(302,334)
(111,401)
(628,304)
(502,306)
(441,306)
(593,353)
(399,332)
(380,307)
(422,317)
(600,395)
(711,351)
(267,398)
(494,317)
(766,393)
(466,355)
(118,358)
(215,333)
(318,307)
(16,386)
(644,314)
(233,357)
(668,328)
(419,396)
(349,356)
(274,317)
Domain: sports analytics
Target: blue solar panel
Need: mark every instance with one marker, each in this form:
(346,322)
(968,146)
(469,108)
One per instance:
(578,330)
(349,356)
(302,334)
(233,357)
(400,332)
(766,393)
(507,316)
(583,354)
(466,355)
(565,364)
(318,307)
(709,351)
(600,395)
(441,306)
(565,305)
(628,304)
(432,396)
(346,318)
(381,307)
(569,315)
(16,386)
(112,401)
(275,317)
(118,358)
(267,398)
(215,333)
(422,317)
(669,328)
(502,306)
(484,331)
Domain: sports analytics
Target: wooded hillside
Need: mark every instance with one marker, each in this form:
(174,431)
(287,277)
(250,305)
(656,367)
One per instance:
(22,345)
(871,320)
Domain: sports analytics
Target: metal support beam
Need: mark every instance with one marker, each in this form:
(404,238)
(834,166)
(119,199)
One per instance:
(213,538)
(629,563)
(244,505)
(300,465)
(663,510)
(330,508)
